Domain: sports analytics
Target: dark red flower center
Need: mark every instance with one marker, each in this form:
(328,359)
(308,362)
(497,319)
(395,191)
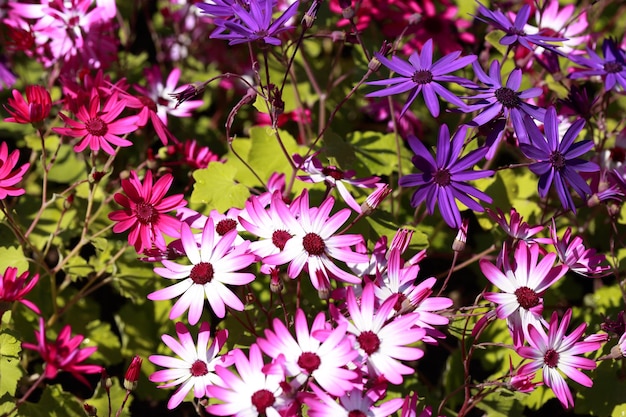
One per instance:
(313,244)
(557,160)
(368,341)
(551,358)
(434,24)
(331,171)
(280,238)
(224,226)
(263,399)
(442,177)
(309,361)
(356,413)
(526,297)
(422,77)
(618,154)
(146,213)
(202,273)
(96,127)
(507,97)
(612,67)
(149,103)
(199,368)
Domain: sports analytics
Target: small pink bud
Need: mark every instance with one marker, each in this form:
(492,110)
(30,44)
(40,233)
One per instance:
(461,237)
(132,374)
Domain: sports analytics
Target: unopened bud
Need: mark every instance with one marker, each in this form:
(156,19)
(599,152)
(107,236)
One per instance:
(276,284)
(347,11)
(132,374)
(461,237)
(374,63)
(311,14)
(105,380)
(67,203)
(96,176)
(338,36)
(373,200)
(401,240)
(189,92)
(90,410)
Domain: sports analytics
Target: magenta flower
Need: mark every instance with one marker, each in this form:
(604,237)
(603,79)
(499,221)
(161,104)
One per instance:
(34,109)
(558,159)
(9,176)
(321,353)
(444,179)
(98,128)
(516,227)
(573,253)
(382,343)
(556,354)
(254,391)
(63,354)
(421,75)
(314,243)
(195,365)
(212,267)
(352,404)
(14,288)
(565,22)
(144,213)
(522,286)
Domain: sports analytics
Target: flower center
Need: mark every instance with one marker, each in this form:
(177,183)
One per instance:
(515,31)
(612,67)
(198,368)
(96,127)
(422,77)
(618,154)
(280,238)
(551,358)
(146,213)
(224,226)
(557,160)
(356,413)
(202,273)
(442,177)
(507,97)
(309,361)
(368,341)
(313,244)
(334,172)
(526,297)
(262,399)
(149,103)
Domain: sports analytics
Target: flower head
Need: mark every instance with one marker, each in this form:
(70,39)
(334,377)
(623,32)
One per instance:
(145,208)
(421,75)
(444,178)
(612,68)
(9,176)
(556,354)
(14,288)
(574,254)
(63,354)
(34,109)
(131,377)
(195,365)
(352,404)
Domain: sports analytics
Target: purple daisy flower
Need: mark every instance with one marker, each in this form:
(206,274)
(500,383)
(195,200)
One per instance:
(254,23)
(557,158)
(496,98)
(444,179)
(421,75)
(612,68)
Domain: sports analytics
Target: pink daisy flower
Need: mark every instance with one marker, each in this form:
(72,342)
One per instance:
(556,354)
(97,128)
(14,288)
(195,366)
(212,268)
(9,176)
(573,253)
(522,286)
(321,353)
(144,211)
(314,244)
(382,343)
(254,391)
(353,404)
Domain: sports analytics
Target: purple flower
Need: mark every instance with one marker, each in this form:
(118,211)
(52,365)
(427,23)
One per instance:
(557,158)
(495,99)
(515,30)
(421,75)
(556,354)
(612,68)
(253,23)
(444,179)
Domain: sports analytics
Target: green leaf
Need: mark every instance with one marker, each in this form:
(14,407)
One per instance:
(67,168)
(607,390)
(501,404)
(53,403)
(266,155)
(12,256)
(216,187)
(493,38)
(109,346)
(10,368)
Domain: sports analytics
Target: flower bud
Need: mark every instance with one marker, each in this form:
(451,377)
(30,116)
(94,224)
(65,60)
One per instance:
(311,14)
(90,410)
(373,200)
(132,374)
(461,237)
(276,284)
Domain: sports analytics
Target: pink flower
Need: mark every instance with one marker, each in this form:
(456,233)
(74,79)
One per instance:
(14,288)
(555,353)
(34,109)
(9,176)
(254,391)
(315,243)
(573,254)
(98,128)
(522,286)
(354,403)
(131,377)
(212,267)
(382,342)
(144,211)
(516,227)
(63,354)
(566,23)
(320,354)
(195,366)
